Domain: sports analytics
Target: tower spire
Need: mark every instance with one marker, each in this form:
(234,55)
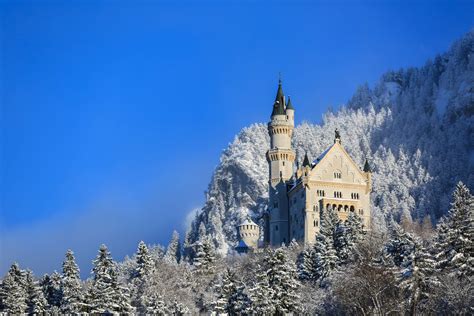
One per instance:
(279,104)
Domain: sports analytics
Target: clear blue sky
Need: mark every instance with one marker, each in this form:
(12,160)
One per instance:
(114,114)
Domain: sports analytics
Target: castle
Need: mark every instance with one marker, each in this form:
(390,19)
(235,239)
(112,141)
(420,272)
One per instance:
(333,180)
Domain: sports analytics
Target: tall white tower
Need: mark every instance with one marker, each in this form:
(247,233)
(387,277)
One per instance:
(280,159)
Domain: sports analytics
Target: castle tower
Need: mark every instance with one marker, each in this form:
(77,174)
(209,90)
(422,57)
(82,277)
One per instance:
(249,233)
(280,158)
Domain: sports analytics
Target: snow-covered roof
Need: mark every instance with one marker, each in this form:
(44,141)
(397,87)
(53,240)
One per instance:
(248,221)
(317,160)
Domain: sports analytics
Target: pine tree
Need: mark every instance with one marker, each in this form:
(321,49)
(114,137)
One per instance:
(106,295)
(178,309)
(154,304)
(173,252)
(14,293)
(325,254)
(261,294)
(346,237)
(72,295)
(455,235)
(282,279)
(51,285)
(204,261)
(36,302)
(399,246)
(417,275)
(144,267)
(306,264)
(231,299)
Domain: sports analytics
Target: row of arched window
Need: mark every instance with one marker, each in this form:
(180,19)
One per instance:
(338,194)
(320,193)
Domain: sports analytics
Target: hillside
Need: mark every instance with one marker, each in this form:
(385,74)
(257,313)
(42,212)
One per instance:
(416,127)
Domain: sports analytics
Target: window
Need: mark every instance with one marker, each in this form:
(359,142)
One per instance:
(275,205)
(355,196)
(283,163)
(320,192)
(276,227)
(337,175)
(338,194)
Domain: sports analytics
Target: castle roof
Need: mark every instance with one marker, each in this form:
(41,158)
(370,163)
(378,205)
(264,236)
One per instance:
(279,105)
(289,105)
(306,160)
(367,166)
(320,157)
(248,221)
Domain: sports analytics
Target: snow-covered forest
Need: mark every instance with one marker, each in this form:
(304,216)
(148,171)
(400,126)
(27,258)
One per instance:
(410,269)
(416,127)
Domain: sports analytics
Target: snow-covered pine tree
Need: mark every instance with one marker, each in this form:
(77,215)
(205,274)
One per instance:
(173,252)
(35,301)
(14,294)
(283,281)
(417,278)
(155,305)
(325,254)
(261,294)
(71,287)
(455,235)
(178,309)
(205,257)
(346,236)
(106,295)
(140,274)
(231,298)
(306,264)
(399,246)
(51,285)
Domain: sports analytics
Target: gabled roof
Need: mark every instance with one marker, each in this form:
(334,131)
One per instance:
(320,157)
(326,152)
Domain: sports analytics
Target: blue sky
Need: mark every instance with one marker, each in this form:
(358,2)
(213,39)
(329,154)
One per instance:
(114,114)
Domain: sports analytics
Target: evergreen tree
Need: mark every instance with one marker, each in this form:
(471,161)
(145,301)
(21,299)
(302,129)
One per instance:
(346,236)
(36,302)
(231,299)
(51,285)
(173,252)
(306,264)
(14,292)
(204,261)
(325,254)
(71,287)
(282,279)
(154,304)
(400,245)
(455,235)
(140,275)
(178,309)
(417,275)
(106,295)
(261,294)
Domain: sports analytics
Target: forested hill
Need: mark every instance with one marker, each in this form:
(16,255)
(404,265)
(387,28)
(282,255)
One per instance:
(416,127)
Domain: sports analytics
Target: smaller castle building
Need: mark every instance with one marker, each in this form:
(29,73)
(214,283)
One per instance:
(249,235)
